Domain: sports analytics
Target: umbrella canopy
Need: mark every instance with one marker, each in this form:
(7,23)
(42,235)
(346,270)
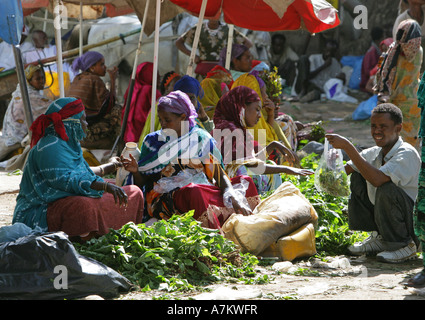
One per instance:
(115,8)
(269,15)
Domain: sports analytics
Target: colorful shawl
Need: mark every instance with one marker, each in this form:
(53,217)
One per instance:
(408,43)
(55,168)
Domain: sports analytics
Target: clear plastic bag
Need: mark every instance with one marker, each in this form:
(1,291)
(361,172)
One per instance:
(330,176)
(183,178)
(238,192)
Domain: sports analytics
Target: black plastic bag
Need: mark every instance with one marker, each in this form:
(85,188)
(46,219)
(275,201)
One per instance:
(47,266)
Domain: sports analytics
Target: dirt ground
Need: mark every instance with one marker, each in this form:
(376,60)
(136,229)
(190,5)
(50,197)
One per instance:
(341,278)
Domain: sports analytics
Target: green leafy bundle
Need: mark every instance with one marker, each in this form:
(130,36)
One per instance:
(334,183)
(174,255)
(273,84)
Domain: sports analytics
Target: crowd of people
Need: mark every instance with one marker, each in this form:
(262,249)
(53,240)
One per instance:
(220,130)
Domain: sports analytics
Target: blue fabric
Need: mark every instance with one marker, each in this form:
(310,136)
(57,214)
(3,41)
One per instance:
(356,63)
(364,110)
(55,169)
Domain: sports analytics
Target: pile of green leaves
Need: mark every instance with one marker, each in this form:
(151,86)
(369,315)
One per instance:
(175,255)
(333,235)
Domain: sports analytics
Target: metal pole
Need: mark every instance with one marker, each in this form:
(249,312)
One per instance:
(196,38)
(59,61)
(155,65)
(23,86)
(81,29)
(133,80)
(229,46)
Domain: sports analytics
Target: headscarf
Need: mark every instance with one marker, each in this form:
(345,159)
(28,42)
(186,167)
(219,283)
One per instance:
(179,102)
(387,42)
(168,77)
(84,62)
(251,81)
(189,84)
(230,114)
(237,51)
(212,92)
(56,113)
(140,104)
(407,42)
(222,74)
(30,70)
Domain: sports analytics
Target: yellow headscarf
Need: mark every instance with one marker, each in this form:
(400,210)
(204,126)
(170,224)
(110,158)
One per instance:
(30,70)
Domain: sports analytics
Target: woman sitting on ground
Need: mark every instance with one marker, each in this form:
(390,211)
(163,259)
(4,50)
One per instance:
(59,191)
(103,115)
(15,127)
(180,169)
(236,111)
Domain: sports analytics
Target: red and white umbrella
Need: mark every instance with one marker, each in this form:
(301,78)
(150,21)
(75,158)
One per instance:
(269,15)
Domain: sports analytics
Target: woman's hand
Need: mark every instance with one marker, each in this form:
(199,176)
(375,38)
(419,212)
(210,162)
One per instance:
(287,153)
(240,207)
(270,108)
(116,162)
(298,172)
(113,72)
(130,164)
(119,194)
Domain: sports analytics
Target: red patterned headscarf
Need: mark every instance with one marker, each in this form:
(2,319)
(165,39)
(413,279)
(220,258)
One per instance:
(68,108)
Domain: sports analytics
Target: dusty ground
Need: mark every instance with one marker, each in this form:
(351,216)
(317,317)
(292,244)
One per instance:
(361,278)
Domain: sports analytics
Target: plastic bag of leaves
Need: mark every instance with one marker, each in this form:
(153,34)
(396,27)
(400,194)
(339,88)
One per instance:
(330,176)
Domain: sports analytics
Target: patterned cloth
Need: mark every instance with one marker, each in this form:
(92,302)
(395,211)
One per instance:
(399,77)
(211,41)
(419,209)
(14,123)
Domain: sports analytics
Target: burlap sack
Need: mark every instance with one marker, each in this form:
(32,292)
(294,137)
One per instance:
(283,212)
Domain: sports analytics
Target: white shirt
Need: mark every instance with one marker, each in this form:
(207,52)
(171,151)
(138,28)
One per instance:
(402,165)
(7,58)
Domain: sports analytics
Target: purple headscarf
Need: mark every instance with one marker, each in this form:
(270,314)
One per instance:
(86,61)
(179,102)
(237,51)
